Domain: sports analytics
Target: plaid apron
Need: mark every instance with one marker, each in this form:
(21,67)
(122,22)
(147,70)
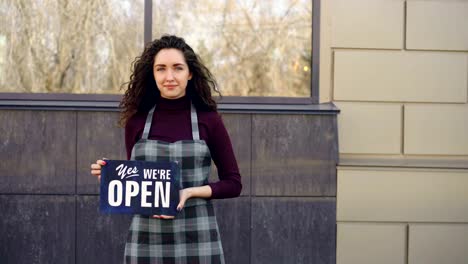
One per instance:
(193,236)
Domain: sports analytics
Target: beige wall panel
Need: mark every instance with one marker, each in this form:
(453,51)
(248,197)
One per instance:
(437,25)
(370,128)
(370,243)
(436,129)
(435,244)
(397,195)
(400,76)
(367,24)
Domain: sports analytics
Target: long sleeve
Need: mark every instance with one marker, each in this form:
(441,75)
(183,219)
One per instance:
(129,140)
(219,143)
(133,131)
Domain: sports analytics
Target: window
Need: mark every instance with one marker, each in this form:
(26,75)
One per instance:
(68,46)
(253,47)
(260,48)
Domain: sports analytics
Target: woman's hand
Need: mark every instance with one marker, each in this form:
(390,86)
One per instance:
(96,168)
(184,195)
(187,193)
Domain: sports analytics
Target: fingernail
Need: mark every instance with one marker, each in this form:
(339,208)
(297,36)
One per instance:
(105,163)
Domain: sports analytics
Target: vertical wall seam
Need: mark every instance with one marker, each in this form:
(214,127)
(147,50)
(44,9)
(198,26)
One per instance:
(329,30)
(407,244)
(402,150)
(76,153)
(329,22)
(405,13)
(332,74)
(251,153)
(76,229)
(76,187)
(251,188)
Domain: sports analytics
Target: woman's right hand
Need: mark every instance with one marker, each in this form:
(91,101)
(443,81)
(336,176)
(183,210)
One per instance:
(96,168)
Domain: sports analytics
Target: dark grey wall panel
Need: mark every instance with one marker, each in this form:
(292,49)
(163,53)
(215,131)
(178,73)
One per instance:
(37,229)
(37,151)
(233,217)
(100,237)
(293,230)
(98,136)
(294,155)
(239,129)
(279,156)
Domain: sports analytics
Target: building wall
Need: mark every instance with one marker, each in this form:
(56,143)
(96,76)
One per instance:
(398,71)
(49,200)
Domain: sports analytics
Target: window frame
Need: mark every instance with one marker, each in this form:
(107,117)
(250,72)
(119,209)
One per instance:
(111,101)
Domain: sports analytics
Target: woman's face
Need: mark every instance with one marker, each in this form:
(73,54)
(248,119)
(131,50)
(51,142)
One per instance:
(171,73)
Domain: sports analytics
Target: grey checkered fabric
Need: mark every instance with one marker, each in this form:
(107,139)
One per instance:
(193,236)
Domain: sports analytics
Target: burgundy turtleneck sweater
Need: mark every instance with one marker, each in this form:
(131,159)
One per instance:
(171,122)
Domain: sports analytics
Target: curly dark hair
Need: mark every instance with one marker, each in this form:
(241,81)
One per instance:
(142,92)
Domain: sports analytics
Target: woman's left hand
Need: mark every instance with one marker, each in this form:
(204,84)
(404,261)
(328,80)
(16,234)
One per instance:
(184,195)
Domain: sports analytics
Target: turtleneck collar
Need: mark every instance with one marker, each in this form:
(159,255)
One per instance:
(173,104)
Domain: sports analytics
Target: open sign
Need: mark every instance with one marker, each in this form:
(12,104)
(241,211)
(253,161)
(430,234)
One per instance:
(140,187)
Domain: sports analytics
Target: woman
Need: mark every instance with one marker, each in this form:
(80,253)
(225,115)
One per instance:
(169,115)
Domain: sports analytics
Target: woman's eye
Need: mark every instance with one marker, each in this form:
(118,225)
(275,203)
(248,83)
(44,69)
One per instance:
(159,69)
(179,68)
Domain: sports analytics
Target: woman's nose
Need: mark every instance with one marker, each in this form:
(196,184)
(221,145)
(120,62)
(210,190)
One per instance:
(170,75)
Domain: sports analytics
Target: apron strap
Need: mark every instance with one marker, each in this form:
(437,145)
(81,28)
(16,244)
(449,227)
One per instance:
(194,118)
(149,118)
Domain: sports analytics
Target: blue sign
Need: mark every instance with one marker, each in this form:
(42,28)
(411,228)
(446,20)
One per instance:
(140,187)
